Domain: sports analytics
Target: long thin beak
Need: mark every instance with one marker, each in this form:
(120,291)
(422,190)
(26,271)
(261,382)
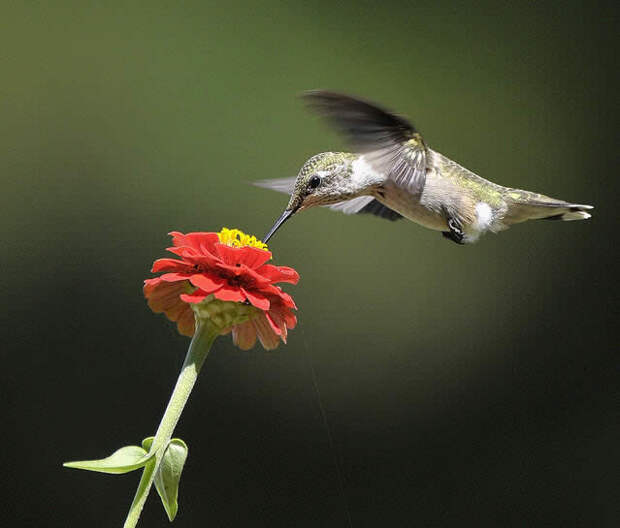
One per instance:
(285,216)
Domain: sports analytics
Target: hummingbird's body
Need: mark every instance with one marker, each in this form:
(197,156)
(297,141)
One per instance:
(396,175)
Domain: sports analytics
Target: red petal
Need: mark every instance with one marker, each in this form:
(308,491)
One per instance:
(170,264)
(259,280)
(207,244)
(268,338)
(286,299)
(257,299)
(176,310)
(229,293)
(291,320)
(206,260)
(279,273)
(150,284)
(186,323)
(182,251)
(250,256)
(162,290)
(279,310)
(186,253)
(229,255)
(248,275)
(174,277)
(177,237)
(195,240)
(244,335)
(167,303)
(254,257)
(194,297)
(274,325)
(203,260)
(162,296)
(207,282)
(195,245)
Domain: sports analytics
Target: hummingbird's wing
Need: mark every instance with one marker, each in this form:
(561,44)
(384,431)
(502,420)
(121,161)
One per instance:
(378,209)
(389,142)
(366,205)
(361,204)
(284,185)
(351,206)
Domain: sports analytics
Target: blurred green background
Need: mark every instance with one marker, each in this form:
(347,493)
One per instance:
(458,385)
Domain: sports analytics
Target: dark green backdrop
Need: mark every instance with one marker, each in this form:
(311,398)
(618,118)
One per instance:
(460,385)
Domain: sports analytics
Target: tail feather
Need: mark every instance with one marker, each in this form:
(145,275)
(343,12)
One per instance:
(576,212)
(524,205)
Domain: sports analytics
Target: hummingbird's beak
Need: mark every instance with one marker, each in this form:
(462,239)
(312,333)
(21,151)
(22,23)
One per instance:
(285,216)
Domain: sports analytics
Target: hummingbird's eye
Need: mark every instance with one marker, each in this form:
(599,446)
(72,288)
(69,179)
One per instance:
(314,182)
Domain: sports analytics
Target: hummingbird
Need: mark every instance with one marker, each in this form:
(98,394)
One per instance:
(392,173)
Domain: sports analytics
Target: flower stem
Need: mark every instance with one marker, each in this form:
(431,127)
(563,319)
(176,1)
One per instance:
(204,337)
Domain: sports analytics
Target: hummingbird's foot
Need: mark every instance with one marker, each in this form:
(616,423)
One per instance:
(456,232)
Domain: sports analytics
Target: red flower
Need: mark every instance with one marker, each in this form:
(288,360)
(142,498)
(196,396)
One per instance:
(228,266)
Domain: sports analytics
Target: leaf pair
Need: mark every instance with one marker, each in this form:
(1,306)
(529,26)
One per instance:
(130,458)
(169,473)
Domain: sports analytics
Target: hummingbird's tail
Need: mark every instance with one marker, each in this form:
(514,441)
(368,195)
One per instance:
(525,205)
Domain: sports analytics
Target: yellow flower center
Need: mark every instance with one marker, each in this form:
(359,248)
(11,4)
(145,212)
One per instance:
(237,238)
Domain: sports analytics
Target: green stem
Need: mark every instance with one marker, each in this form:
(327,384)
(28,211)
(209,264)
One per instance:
(199,348)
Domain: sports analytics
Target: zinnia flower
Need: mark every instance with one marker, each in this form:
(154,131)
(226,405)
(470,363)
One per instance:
(224,277)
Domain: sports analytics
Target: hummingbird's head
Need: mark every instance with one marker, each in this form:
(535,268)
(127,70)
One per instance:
(323,180)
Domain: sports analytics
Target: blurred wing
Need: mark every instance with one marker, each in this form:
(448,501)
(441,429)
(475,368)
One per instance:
(366,205)
(391,144)
(378,209)
(283,185)
(351,206)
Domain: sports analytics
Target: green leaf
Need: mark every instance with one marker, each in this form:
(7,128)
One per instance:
(124,460)
(147,443)
(169,474)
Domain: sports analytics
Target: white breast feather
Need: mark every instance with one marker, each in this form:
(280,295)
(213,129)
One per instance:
(484,216)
